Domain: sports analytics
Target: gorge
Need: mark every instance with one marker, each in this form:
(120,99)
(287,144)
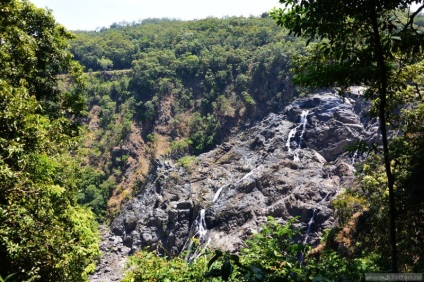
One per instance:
(290,164)
(217,149)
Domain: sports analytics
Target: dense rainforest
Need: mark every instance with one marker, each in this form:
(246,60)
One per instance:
(85,117)
(45,235)
(185,85)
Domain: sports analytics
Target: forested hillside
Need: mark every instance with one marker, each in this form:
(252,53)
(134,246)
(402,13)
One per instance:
(170,89)
(185,86)
(239,134)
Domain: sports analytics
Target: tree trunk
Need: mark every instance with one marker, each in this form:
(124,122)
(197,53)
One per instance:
(382,93)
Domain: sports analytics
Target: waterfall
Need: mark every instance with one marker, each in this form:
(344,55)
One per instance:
(296,157)
(249,174)
(303,122)
(310,222)
(202,229)
(355,155)
(308,230)
(218,192)
(201,232)
(301,126)
(216,196)
(292,133)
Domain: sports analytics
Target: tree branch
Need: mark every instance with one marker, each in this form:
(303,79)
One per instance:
(412,17)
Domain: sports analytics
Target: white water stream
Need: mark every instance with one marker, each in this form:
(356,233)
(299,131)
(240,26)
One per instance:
(216,196)
(201,232)
(312,221)
(355,155)
(292,134)
(202,229)
(218,192)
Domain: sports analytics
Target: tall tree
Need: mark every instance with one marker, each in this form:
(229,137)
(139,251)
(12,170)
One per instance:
(44,234)
(358,43)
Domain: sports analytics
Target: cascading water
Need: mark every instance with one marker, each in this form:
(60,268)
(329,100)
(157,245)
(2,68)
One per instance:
(201,234)
(200,225)
(355,155)
(216,196)
(218,192)
(293,132)
(310,222)
(250,173)
(303,122)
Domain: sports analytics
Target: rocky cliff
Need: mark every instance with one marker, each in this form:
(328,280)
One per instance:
(290,164)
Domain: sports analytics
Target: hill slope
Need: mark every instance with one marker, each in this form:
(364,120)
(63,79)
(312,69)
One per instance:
(188,86)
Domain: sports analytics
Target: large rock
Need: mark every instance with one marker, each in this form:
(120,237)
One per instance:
(255,174)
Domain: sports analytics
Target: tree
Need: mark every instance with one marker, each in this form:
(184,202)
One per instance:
(358,43)
(44,234)
(105,63)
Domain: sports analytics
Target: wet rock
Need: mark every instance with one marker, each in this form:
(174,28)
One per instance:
(255,174)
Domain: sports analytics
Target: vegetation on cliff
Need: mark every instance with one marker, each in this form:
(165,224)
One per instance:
(173,88)
(184,86)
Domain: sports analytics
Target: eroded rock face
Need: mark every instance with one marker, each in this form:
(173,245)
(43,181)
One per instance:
(256,174)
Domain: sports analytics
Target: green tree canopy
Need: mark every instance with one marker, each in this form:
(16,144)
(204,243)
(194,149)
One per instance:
(44,234)
(359,43)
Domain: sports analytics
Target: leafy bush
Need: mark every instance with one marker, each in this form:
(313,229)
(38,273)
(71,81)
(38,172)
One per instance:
(271,255)
(148,266)
(186,161)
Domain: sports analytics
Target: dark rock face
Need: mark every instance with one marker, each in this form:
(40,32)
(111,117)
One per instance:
(256,174)
(160,217)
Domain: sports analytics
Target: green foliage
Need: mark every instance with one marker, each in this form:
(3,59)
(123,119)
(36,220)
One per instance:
(371,198)
(186,161)
(370,43)
(92,192)
(114,108)
(147,266)
(151,138)
(8,278)
(181,146)
(35,51)
(274,255)
(273,248)
(105,63)
(214,69)
(44,234)
(271,255)
(369,202)
(204,132)
(346,205)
